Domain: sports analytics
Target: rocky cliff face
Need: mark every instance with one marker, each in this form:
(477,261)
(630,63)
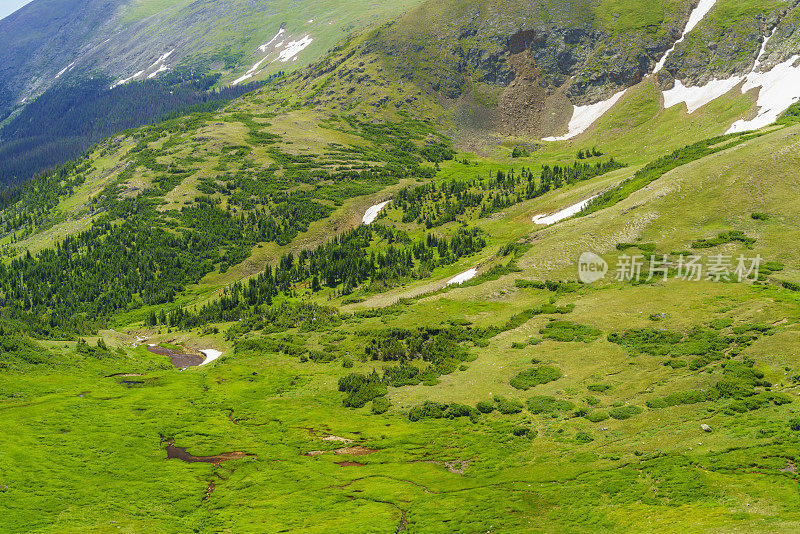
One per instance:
(729,39)
(513,66)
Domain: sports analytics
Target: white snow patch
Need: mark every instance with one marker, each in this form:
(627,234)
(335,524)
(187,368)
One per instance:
(373,211)
(126,80)
(585,116)
(265,46)
(699,96)
(65,69)
(161,59)
(763,49)
(696,16)
(246,76)
(250,72)
(566,213)
(289,53)
(155,73)
(779,88)
(463,277)
(210,355)
(293,48)
(158,63)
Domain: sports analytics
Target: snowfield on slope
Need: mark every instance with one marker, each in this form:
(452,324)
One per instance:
(287,51)
(293,49)
(566,213)
(373,211)
(778,88)
(157,63)
(463,277)
(584,116)
(698,14)
(65,69)
(264,47)
(210,355)
(698,96)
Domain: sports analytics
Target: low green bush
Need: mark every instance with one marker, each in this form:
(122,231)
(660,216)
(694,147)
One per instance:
(438,410)
(534,377)
(485,406)
(624,412)
(524,432)
(507,406)
(597,416)
(380,405)
(544,404)
(566,331)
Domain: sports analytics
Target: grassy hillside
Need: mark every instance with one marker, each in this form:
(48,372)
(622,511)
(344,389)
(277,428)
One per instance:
(357,389)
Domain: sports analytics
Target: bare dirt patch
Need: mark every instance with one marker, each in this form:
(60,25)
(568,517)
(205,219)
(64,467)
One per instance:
(350,464)
(178,359)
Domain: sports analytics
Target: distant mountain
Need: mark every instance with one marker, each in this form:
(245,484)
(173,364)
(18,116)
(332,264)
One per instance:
(47,40)
(51,49)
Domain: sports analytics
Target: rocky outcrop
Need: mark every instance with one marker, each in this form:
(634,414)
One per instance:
(727,42)
(535,58)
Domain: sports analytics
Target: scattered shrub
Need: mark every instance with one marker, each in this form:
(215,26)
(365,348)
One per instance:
(723,238)
(624,412)
(520,152)
(524,432)
(380,405)
(544,404)
(438,410)
(566,331)
(361,389)
(596,416)
(507,406)
(534,377)
(485,406)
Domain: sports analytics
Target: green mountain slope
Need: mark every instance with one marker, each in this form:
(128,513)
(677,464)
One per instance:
(305,243)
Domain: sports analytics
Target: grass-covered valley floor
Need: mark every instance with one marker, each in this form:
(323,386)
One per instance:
(357,390)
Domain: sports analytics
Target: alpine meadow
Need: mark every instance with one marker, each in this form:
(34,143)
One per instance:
(416,266)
